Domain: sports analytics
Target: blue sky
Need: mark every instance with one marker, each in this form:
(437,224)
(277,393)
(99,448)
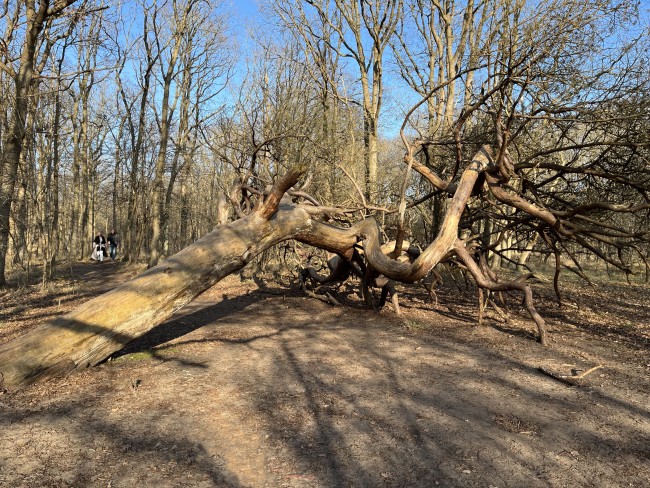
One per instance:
(247,7)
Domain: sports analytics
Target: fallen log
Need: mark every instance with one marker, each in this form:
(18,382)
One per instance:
(105,324)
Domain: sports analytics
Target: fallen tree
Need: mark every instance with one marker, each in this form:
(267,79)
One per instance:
(567,179)
(104,325)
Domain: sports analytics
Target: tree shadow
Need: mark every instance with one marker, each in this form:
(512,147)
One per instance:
(413,422)
(344,401)
(143,447)
(189,320)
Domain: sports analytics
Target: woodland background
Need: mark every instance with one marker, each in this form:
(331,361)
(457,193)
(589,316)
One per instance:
(165,118)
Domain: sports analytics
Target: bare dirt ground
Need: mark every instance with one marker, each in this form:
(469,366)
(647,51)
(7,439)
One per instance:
(260,387)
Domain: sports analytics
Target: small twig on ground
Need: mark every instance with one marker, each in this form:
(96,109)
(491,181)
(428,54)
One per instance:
(569,379)
(555,376)
(589,371)
(331,299)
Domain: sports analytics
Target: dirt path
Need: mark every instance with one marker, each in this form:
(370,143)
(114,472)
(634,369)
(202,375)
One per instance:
(253,388)
(27,306)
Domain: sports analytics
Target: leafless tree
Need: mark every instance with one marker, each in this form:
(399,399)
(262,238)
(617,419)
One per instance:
(358,31)
(24,52)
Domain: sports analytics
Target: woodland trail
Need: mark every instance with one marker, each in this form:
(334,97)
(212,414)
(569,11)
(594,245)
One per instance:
(258,387)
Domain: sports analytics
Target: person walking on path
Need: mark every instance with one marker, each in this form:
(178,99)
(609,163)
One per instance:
(113,243)
(100,246)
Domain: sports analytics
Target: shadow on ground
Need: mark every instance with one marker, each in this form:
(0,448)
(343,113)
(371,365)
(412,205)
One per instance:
(266,390)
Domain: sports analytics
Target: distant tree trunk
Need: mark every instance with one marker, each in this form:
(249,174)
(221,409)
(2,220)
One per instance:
(81,180)
(138,134)
(184,153)
(20,214)
(115,194)
(12,144)
(359,31)
(158,208)
(172,91)
(51,209)
(371,157)
(526,252)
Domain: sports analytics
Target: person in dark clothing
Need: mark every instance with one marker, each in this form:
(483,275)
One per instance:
(113,243)
(100,246)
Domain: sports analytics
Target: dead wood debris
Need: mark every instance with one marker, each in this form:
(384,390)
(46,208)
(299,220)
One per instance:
(572,380)
(326,297)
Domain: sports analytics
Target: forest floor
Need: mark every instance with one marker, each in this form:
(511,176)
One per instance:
(256,386)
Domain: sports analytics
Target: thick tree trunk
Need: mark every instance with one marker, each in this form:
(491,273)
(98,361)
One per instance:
(100,327)
(12,144)
(8,173)
(105,324)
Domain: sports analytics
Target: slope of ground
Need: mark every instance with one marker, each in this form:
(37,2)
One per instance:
(256,387)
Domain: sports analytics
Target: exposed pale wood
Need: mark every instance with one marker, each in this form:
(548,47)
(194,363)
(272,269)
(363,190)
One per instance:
(568,379)
(106,323)
(585,373)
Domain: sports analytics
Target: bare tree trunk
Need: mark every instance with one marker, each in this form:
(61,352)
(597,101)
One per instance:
(51,200)
(89,334)
(132,246)
(20,216)
(525,254)
(370,157)
(12,144)
(171,94)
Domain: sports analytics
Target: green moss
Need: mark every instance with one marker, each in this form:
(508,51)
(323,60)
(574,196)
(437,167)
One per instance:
(137,356)
(414,325)
(159,354)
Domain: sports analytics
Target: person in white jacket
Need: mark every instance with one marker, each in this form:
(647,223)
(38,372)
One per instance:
(99,246)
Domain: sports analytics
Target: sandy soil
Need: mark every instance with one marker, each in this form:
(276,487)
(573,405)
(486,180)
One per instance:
(259,387)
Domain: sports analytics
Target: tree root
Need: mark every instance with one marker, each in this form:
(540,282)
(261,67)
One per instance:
(312,274)
(326,297)
(389,288)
